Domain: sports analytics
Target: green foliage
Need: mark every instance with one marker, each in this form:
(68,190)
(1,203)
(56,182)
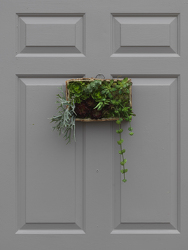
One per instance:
(65,119)
(95,99)
(124,171)
(118,122)
(111,97)
(122,151)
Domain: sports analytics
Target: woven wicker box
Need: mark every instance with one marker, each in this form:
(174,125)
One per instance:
(92,79)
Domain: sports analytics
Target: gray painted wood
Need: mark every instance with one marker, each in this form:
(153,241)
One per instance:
(71,196)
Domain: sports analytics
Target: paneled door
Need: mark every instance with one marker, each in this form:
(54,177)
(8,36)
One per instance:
(71,197)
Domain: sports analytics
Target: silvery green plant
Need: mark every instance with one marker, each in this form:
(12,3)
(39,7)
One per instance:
(65,118)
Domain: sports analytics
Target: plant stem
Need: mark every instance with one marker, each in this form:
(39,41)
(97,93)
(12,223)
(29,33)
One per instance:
(121,149)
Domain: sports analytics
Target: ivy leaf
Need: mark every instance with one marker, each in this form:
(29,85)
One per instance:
(124,180)
(124,161)
(119,142)
(118,122)
(124,171)
(119,131)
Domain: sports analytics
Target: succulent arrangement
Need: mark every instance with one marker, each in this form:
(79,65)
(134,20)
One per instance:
(90,99)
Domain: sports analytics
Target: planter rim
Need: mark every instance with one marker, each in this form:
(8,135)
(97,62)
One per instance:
(93,79)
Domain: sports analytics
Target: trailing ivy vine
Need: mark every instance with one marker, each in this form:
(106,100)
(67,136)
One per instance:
(122,151)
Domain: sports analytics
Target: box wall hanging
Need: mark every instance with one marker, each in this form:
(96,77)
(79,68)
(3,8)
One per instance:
(95,100)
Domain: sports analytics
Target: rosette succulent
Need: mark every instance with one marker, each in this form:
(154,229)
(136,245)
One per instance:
(82,110)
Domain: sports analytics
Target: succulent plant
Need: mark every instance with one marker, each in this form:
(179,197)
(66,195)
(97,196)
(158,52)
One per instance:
(96,114)
(90,102)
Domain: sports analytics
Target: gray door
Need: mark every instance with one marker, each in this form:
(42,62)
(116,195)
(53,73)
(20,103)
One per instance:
(58,196)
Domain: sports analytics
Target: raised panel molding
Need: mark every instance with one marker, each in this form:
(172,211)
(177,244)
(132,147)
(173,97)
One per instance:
(144,34)
(51,34)
(148,202)
(45,172)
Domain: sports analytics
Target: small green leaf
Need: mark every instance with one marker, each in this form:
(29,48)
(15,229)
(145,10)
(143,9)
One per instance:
(124,171)
(118,122)
(125,79)
(119,131)
(130,128)
(124,161)
(124,180)
(131,133)
(123,150)
(119,142)
(125,109)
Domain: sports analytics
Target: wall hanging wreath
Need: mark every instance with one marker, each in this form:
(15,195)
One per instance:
(93,99)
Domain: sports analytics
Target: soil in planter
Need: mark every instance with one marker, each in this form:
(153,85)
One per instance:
(85,109)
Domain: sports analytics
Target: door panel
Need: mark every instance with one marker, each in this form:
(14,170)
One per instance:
(154,181)
(71,196)
(50,33)
(50,189)
(143,33)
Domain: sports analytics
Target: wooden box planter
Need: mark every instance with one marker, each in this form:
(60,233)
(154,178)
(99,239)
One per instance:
(90,80)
